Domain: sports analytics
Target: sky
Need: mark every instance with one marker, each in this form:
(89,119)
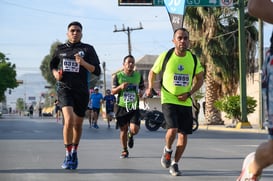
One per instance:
(30,27)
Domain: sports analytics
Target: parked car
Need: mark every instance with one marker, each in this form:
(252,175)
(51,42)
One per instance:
(48,111)
(26,113)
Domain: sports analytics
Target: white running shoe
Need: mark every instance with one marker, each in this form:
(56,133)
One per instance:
(245,174)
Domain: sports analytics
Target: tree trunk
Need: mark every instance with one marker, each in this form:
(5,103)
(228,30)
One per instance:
(212,115)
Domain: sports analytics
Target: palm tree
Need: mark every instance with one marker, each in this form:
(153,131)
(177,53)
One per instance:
(214,38)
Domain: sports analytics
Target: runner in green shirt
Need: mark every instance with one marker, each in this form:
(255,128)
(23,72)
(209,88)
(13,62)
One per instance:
(129,85)
(176,91)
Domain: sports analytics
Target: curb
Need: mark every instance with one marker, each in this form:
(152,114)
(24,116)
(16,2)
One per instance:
(223,128)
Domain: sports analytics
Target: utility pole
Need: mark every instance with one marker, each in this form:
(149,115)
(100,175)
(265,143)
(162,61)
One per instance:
(242,56)
(104,78)
(261,58)
(128,32)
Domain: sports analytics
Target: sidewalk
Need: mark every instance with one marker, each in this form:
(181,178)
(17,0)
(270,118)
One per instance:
(255,128)
(227,127)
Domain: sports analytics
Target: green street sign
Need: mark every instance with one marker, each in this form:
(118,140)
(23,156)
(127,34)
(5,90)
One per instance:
(158,3)
(205,3)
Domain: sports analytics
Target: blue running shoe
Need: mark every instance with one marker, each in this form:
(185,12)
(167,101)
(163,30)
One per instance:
(74,161)
(66,163)
(96,126)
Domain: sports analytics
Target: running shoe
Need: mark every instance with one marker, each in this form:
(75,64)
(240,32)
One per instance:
(245,174)
(124,154)
(74,161)
(66,163)
(174,171)
(130,140)
(96,126)
(166,158)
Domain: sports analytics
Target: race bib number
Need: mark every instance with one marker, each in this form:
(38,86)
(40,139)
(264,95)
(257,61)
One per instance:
(129,96)
(70,65)
(181,80)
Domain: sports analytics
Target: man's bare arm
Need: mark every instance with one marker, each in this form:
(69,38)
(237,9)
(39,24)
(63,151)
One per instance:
(262,9)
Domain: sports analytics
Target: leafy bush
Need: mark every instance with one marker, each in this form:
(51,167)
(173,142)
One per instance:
(231,106)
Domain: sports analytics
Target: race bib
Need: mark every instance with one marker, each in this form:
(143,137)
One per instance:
(70,65)
(181,80)
(129,96)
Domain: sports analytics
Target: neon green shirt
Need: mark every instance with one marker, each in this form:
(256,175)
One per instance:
(129,97)
(177,78)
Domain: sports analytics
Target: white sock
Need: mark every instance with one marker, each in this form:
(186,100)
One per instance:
(167,149)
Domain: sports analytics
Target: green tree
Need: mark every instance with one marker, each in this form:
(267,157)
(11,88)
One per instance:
(44,67)
(7,76)
(214,35)
(20,104)
(231,106)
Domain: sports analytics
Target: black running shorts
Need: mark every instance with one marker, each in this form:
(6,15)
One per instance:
(178,116)
(77,98)
(124,117)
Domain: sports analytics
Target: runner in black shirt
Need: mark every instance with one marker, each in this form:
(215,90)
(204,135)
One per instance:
(70,65)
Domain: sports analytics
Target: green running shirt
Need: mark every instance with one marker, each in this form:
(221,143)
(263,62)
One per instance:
(177,76)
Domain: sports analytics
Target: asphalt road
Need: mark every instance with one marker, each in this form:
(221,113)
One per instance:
(32,150)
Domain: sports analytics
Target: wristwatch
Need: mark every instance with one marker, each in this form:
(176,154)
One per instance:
(188,94)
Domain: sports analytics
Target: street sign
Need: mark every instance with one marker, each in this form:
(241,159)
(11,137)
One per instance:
(32,98)
(209,3)
(197,3)
(158,3)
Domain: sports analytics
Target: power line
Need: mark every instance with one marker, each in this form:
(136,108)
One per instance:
(52,12)
(128,30)
(68,15)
